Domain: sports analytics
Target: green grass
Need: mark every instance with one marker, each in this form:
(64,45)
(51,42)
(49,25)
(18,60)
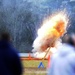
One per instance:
(33,63)
(34,74)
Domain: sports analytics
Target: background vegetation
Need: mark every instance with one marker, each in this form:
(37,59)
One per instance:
(22,18)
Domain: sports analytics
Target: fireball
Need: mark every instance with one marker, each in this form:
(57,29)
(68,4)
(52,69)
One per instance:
(51,30)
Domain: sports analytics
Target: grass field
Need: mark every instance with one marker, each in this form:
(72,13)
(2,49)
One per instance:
(31,67)
(33,63)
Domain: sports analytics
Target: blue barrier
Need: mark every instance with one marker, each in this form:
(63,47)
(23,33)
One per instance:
(41,65)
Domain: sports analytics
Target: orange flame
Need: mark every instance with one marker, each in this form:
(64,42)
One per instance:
(51,30)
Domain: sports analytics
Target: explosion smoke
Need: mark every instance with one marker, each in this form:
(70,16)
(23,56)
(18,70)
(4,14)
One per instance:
(51,30)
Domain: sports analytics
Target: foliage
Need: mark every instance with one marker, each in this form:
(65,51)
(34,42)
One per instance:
(22,18)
